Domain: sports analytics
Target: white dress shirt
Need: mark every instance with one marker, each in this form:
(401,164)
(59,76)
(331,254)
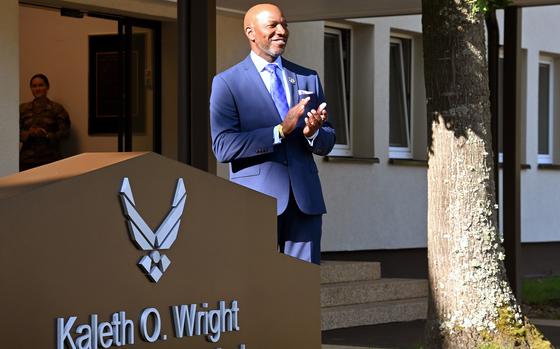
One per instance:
(261,64)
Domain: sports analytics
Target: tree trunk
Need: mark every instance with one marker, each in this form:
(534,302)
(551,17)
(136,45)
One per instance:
(471,304)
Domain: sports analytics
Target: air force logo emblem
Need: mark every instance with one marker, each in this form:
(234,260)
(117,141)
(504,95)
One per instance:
(154,264)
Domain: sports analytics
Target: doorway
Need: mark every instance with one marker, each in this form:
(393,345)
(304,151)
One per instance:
(104,69)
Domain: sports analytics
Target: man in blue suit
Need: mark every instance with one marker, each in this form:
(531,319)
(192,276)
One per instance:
(256,110)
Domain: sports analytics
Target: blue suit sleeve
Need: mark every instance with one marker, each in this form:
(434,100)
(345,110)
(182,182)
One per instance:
(229,142)
(326,138)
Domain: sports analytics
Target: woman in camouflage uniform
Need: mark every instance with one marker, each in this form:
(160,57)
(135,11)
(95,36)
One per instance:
(43,123)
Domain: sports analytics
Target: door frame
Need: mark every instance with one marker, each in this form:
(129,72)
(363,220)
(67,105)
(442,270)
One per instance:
(124,128)
(125,25)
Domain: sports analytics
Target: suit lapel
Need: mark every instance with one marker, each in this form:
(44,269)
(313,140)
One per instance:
(257,83)
(292,83)
(294,87)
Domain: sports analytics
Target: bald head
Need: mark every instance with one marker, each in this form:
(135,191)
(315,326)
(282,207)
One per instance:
(259,10)
(267,30)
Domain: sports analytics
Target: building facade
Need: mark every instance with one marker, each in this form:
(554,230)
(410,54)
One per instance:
(374,181)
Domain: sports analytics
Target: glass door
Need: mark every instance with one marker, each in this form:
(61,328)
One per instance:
(142,119)
(140,127)
(125,84)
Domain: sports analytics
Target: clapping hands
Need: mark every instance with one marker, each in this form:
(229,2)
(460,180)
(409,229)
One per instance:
(314,120)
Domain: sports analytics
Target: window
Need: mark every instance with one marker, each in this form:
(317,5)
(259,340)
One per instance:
(545,110)
(337,86)
(400,122)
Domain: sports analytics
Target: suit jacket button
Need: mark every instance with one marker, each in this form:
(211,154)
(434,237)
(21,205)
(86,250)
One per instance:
(285,162)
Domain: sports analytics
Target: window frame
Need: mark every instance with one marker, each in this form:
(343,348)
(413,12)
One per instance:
(501,75)
(336,29)
(547,158)
(403,152)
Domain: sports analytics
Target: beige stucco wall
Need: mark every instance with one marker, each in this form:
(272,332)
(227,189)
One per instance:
(9,87)
(231,44)
(58,47)
(369,205)
(540,193)
(231,47)
(383,206)
(34,58)
(540,190)
(150,9)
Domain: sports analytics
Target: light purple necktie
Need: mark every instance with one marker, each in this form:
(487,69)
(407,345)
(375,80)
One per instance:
(277,90)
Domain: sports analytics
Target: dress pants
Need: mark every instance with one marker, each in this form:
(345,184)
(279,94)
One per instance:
(299,234)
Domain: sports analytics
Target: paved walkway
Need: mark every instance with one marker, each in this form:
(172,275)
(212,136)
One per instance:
(405,335)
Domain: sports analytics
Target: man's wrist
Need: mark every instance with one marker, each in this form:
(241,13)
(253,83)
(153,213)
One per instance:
(313,136)
(311,139)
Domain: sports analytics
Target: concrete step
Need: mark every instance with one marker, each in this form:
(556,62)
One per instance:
(374,313)
(358,292)
(342,271)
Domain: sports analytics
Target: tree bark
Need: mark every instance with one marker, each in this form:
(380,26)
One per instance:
(471,304)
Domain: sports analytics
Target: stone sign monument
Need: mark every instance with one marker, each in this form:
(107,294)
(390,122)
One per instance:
(135,250)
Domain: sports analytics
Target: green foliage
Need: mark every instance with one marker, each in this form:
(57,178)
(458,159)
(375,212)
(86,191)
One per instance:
(485,6)
(513,332)
(507,323)
(510,328)
(541,290)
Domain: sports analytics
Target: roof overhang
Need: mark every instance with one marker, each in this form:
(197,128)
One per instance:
(308,10)
(294,10)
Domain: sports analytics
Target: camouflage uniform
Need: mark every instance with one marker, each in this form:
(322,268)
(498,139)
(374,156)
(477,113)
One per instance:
(41,149)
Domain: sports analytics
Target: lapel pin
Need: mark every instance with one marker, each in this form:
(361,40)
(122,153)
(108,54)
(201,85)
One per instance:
(292,80)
